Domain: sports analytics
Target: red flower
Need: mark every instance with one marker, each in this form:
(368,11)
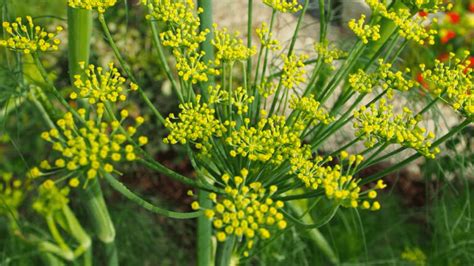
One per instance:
(471,64)
(443,57)
(448,36)
(454,17)
(423,13)
(471,7)
(422,81)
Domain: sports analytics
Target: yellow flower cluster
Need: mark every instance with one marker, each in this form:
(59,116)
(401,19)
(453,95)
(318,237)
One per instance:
(379,123)
(409,27)
(50,198)
(454,82)
(28,38)
(172,11)
(245,211)
(266,40)
(266,88)
(328,54)
(415,256)
(311,110)
(431,6)
(229,47)
(364,32)
(184,36)
(196,123)
(99,5)
(92,147)
(284,6)
(12,193)
(98,85)
(190,67)
(182,21)
(241,100)
(384,77)
(337,181)
(271,140)
(293,70)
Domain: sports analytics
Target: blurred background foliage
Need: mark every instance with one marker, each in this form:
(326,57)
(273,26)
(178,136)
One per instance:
(427,219)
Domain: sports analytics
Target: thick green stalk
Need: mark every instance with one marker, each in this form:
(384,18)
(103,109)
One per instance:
(249,40)
(101,222)
(204,228)
(314,234)
(79,38)
(51,260)
(224,252)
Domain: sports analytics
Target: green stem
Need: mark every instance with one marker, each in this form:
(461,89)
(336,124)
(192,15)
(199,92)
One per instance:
(224,252)
(204,227)
(79,39)
(162,59)
(127,69)
(101,222)
(122,189)
(66,251)
(314,234)
(249,39)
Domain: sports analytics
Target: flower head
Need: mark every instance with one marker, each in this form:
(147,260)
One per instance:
(50,198)
(364,32)
(98,85)
(245,210)
(229,47)
(29,38)
(12,193)
(293,70)
(100,5)
(196,123)
(266,40)
(379,123)
(453,81)
(284,6)
(337,181)
(90,147)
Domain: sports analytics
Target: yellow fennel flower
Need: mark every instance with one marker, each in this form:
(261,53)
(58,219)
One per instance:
(98,85)
(328,53)
(452,81)
(229,47)
(284,6)
(364,32)
(311,111)
(378,123)
(195,123)
(29,38)
(338,181)
(99,5)
(293,70)
(265,37)
(12,193)
(246,210)
(50,198)
(384,77)
(89,146)
(271,140)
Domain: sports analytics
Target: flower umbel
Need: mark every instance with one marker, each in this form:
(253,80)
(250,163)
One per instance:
(90,147)
(26,37)
(98,85)
(100,5)
(245,211)
(284,6)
